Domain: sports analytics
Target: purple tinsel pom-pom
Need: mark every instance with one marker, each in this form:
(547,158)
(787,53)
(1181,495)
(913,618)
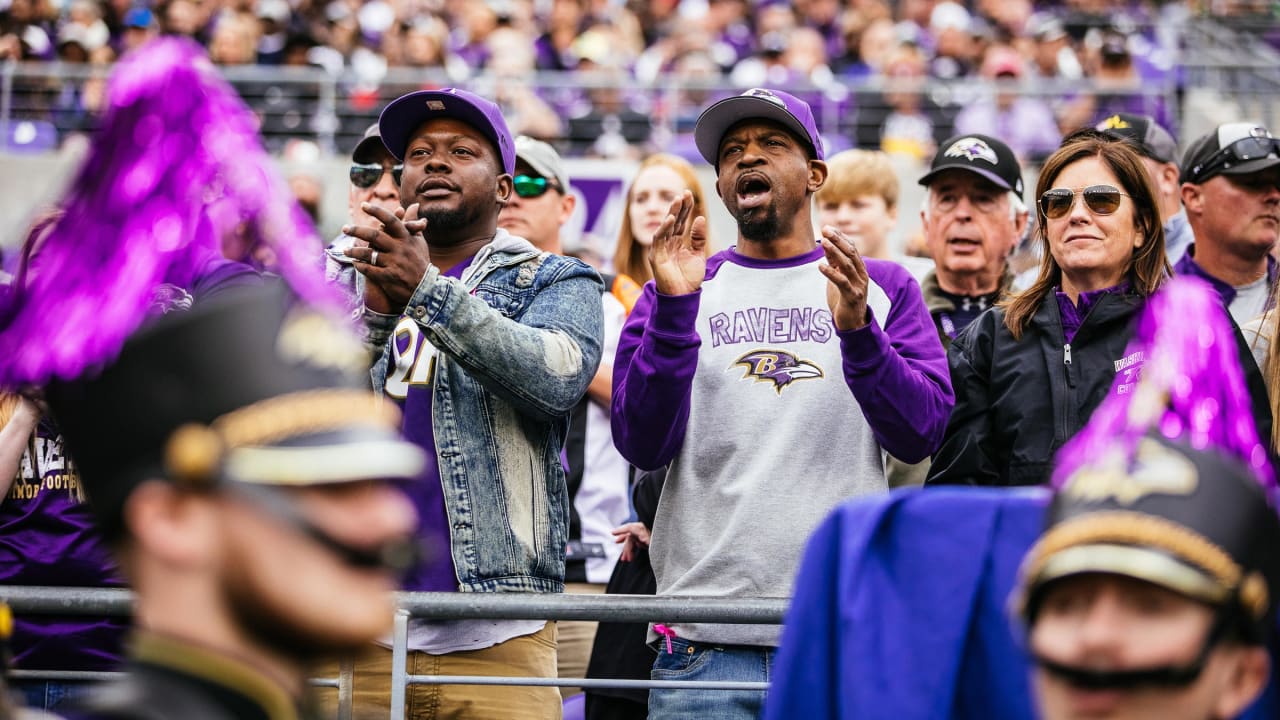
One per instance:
(176,166)
(1192,387)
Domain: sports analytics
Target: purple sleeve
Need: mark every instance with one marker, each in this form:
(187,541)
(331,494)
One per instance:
(653,377)
(899,374)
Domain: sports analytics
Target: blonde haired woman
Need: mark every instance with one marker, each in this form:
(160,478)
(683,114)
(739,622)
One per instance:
(658,183)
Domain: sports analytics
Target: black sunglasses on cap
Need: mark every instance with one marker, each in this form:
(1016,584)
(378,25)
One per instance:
(1242,150)
(1100,199)
(532,186)
(366,175)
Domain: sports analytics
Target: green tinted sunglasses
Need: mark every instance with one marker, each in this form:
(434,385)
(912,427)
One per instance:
(532,186)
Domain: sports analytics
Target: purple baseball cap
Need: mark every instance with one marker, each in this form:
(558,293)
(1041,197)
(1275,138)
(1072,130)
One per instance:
(757,103)
(407,113)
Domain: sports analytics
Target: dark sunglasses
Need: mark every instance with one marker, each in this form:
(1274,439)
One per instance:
(1244,149)
(532,186)
(1100,199)
(366,175)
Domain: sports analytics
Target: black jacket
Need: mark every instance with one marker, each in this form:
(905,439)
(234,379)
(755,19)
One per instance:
(1018,402)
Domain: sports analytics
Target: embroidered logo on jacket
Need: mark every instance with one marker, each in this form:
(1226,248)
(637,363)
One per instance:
(778,367)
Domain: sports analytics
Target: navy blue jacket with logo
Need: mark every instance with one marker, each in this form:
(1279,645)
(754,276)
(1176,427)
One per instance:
(1019,401)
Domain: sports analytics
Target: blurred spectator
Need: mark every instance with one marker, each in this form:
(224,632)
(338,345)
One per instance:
(954,46)
(138,26)
(183,17)
(424,44)
(1023,121)
(1008,16)
(1052,55)
(297,50)
(730,32)
(472,24)
(26,30)
(611,127)
(1119,87)
(824,17)
(81,40)
(234,40)
(511,64)
(84,24)
(869,43)
(565,21)
(657,17)
(659,58)
(786,58)
(273,25)
(911,119)
(694,74)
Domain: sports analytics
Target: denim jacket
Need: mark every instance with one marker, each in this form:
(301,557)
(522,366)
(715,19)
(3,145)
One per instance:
(519,339)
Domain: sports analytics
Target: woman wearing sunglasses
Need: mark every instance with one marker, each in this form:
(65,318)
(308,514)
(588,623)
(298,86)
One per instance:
(1029,373)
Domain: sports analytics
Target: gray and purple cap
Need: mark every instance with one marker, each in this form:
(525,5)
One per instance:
(407,113)
(757,103)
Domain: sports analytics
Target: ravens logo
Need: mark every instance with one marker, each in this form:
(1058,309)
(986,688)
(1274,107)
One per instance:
(778,367)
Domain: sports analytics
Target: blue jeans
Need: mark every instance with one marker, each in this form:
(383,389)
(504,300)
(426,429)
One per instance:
(48,695)
(697,661)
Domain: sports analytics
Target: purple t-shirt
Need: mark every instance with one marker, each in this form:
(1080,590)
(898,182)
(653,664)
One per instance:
(47,537)
(410,383)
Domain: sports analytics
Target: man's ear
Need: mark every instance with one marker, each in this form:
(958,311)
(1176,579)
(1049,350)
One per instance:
(1169,175)
(1192,198)
(1020,220)
(567,203)
(171,524)
(1250,671)
(817,175)
(503,189)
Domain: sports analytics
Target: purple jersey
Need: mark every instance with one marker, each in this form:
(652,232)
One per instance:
(47,537)
(410,381)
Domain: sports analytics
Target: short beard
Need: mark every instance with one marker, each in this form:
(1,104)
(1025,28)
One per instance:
(450,220)
(763,229)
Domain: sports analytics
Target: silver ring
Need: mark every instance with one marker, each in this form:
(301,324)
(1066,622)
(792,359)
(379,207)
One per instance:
(373,258)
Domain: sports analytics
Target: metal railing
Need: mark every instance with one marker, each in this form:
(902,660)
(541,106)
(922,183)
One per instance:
(447,606)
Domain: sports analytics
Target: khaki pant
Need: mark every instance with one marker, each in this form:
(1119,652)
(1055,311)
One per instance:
(526,656)
(574,641)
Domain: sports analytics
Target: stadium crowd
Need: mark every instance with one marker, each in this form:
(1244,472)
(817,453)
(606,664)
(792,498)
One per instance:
(591,76)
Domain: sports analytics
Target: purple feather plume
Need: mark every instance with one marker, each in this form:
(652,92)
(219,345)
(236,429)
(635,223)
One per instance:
(1192,387)
(176,166)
